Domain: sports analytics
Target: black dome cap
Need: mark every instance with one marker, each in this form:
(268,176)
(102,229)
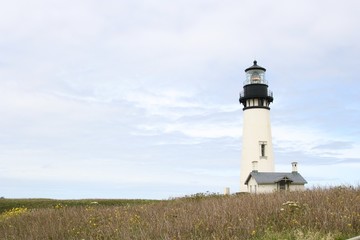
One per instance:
(255,66)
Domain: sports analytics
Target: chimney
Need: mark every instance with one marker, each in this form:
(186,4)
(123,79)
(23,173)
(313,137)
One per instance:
(294,166)
(255,166)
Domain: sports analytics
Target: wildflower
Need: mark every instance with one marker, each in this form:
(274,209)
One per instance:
(13,212)
(58,206)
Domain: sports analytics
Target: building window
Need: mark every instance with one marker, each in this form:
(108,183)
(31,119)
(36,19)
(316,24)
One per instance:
(262,149)
(284,184)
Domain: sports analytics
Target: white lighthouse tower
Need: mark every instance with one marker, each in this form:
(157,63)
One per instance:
(257,145)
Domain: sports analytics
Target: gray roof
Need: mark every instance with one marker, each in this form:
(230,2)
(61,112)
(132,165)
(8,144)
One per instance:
(274,177)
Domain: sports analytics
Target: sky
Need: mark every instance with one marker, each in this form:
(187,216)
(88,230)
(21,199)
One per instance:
(140,99)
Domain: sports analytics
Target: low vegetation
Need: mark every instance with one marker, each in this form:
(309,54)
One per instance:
(332,213)
(33,203)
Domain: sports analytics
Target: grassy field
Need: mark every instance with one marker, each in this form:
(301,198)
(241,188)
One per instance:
(332,213)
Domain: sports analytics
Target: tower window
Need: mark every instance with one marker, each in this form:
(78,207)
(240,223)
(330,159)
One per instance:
(262,149)
(261,102)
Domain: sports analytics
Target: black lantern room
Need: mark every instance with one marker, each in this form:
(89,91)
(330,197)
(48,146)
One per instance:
(256,93)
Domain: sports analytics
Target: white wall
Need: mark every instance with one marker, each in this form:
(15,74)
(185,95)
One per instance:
(294,187)
(256,129)
(268,188)
(254,187)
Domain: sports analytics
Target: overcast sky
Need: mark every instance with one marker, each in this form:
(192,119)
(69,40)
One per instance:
(139,99)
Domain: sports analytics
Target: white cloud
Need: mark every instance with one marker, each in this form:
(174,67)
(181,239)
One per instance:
(314,142)
(216,130)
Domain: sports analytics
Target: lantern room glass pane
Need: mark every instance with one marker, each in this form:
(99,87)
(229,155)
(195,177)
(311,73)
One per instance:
(255,76)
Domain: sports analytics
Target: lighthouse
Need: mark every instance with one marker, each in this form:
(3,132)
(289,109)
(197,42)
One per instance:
(256,141)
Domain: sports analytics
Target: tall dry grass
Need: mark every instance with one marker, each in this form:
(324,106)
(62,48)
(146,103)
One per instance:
(332,213)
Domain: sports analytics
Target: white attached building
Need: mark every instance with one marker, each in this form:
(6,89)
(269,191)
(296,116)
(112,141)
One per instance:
(267,182)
